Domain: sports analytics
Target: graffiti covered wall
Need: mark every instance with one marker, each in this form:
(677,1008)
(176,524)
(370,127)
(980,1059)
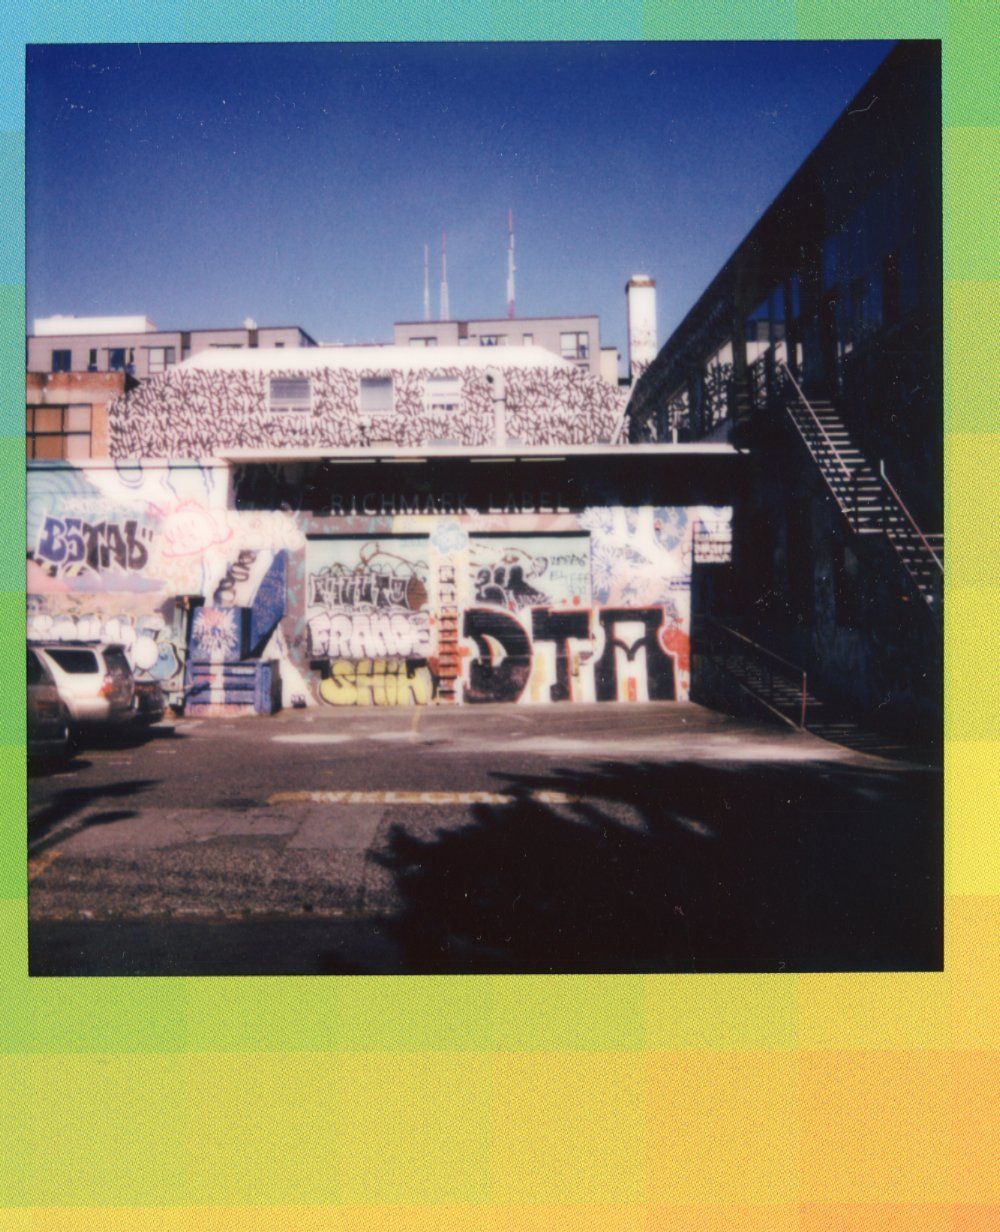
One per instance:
(192,412)
(153,558)
(368,620)
(468,605)
(589,606)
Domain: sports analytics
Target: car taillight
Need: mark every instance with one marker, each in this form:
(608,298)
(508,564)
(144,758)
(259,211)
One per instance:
(108,687)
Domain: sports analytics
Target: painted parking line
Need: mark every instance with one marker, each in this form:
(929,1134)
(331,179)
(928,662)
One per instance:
(417,797)
(312,738)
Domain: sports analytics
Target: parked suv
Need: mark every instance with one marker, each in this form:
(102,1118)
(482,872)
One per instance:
(48,719)
(95,682)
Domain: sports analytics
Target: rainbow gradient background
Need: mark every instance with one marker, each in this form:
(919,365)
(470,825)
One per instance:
(766,1103)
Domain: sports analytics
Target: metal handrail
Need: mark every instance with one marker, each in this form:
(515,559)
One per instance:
(805,402)
(763,651)
(793,667)
(778,714)
(852,476)
(899,501)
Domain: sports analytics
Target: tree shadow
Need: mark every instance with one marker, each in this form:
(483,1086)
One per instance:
(684,867)
(127,735)
(72,803)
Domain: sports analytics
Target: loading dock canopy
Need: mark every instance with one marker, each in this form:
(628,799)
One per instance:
(482,480)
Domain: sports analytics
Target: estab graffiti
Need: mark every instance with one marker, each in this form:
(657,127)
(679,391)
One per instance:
(70,545)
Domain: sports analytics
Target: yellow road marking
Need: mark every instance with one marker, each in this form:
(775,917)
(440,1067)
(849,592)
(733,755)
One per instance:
(38,866)
(417,797)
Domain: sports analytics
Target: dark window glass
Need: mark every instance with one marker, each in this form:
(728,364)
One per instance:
(116,359)
(62,361)
(831,261)
(76,662)
(92,360)
(116,661)
(795,294)
(36,673)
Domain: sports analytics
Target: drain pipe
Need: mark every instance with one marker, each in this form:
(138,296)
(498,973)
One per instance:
(498,392)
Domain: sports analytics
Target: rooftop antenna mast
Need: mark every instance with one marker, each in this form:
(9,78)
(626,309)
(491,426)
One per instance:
(427,285)
(510,264)
(445,310)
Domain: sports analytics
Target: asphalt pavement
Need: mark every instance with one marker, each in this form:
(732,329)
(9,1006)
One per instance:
(657,837)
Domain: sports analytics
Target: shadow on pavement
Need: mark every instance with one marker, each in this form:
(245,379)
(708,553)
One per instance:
(760,867)
(127,736)
(72,802)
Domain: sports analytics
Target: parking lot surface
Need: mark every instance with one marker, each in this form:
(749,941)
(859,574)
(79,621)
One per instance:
(482,839)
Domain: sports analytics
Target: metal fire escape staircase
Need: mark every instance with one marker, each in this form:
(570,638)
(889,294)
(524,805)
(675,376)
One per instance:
(866,498)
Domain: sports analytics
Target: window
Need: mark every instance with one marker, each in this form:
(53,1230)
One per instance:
(121,359)
(423,342)
(492,339)
(92,360)
(279,344)
(376,395)
(55,432)
(528,339)
(62,361)
(75,662)
(291,394)
(443,393)
(161,358)
(574,345)
(36,673)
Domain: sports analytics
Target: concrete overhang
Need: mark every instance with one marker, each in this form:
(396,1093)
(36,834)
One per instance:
(489,453)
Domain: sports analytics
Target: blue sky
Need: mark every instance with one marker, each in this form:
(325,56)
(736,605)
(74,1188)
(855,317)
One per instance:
(298,183)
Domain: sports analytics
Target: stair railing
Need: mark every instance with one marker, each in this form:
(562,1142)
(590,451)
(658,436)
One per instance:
(909,517)
(849,475)
(761,652)
(889,493)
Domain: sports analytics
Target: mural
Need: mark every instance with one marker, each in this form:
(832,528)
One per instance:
(151,557)
(196,412)
(458,607)
(76,548)
(367,616)
(155,644)
(598,616)
(530,571)
(555,649)
(377,682)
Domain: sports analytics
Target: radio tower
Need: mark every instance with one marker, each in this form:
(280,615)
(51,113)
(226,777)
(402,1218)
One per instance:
(510,264)
(427,286)
(445,311)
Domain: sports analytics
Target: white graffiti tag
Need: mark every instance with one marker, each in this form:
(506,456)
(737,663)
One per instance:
(364,635)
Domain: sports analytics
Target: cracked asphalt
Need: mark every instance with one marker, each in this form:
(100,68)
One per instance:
(597,838)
